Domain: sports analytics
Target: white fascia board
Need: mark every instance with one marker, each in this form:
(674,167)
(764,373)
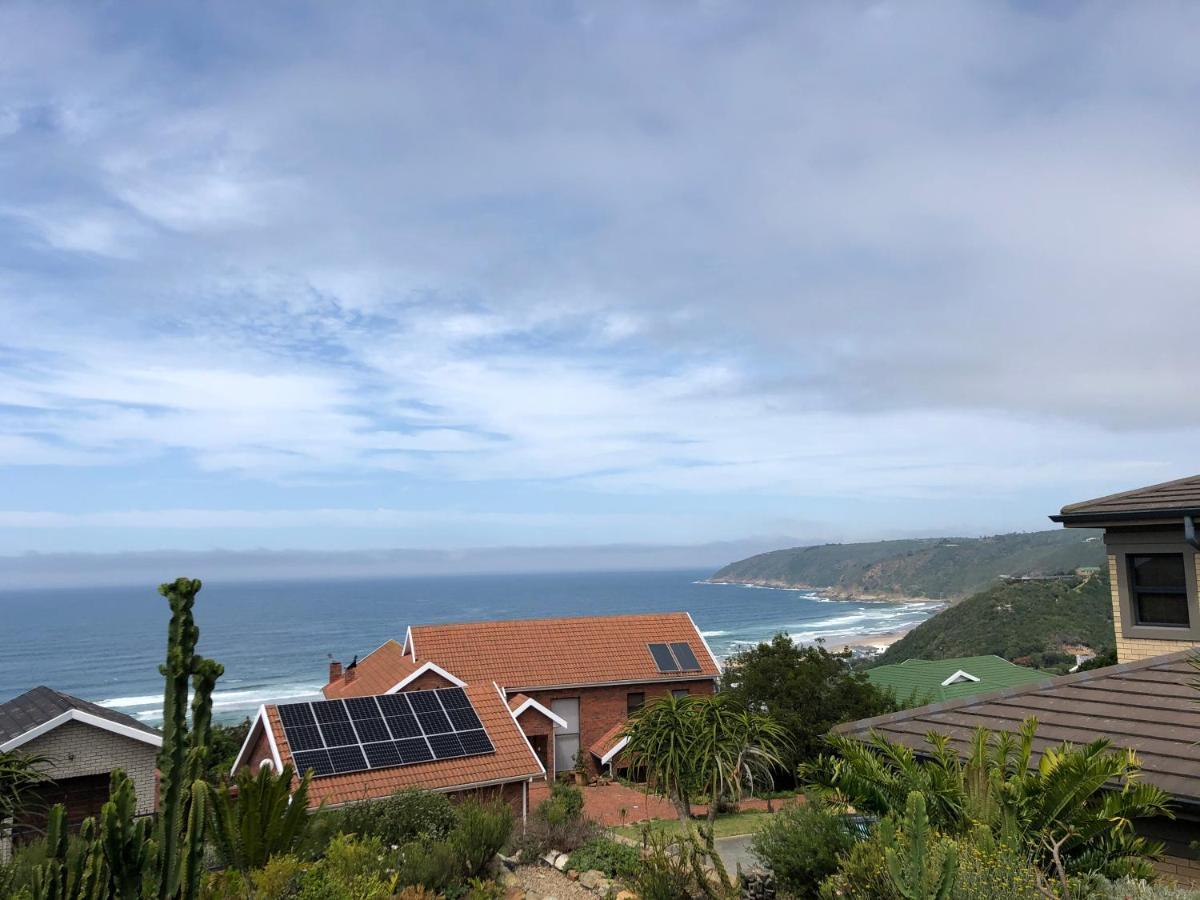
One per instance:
(616,748)
(958,676)
(86,718)
(421,670)
(549,714)
(716,662)
(520,730)
(260,723)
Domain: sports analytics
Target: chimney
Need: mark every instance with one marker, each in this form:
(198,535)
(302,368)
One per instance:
(335,670)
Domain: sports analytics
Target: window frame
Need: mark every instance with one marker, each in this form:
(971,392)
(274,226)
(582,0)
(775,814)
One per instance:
(1137,592)
(630,708)
(1122,548)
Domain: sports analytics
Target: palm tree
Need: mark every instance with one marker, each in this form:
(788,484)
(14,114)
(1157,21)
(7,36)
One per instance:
(1076,806)
(19,774)
(662,739)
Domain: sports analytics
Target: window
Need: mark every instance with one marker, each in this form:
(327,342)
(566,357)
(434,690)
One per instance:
(566,740)
(634,702)
(679,694)
(1158,589)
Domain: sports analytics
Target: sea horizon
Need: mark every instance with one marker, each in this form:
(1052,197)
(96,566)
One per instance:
(276,636)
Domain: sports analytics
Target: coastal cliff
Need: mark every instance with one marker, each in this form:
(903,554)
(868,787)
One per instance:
(925,568)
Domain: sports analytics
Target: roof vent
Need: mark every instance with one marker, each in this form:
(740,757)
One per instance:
(958,678)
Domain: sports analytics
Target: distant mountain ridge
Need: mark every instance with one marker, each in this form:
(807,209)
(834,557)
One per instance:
(938,568)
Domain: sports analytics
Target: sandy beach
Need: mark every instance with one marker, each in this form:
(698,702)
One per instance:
(878,642)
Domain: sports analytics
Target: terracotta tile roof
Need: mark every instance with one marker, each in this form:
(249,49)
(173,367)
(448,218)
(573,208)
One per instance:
(515,701)
(607,741)
(1148,706)
(1171,498)
(378,672)
(512,761)
(542,653)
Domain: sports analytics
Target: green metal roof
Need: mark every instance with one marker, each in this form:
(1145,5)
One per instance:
(919,681)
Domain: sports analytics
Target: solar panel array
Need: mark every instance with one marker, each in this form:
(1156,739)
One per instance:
(335,737)
(675,657)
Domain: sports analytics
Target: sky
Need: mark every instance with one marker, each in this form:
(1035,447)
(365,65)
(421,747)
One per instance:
(436,276)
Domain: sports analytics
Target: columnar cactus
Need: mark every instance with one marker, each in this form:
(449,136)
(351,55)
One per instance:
(909,866)
(128,848)
(184,753)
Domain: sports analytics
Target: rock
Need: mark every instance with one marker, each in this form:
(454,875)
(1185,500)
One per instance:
(561,861)
(532,895)
(573,874)
(592,879)
(514,892)
(550,857)
(626,895)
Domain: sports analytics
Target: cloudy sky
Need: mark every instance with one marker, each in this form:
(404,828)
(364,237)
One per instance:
(438,275)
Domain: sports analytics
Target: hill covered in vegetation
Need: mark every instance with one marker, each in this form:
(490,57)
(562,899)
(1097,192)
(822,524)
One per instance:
(943,568)
(1027,622)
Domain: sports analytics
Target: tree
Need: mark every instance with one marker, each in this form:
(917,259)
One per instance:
(689,745)
(1075,807)
(20,774)
(806,690)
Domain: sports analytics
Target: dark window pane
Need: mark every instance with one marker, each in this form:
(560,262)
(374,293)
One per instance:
(1162,609)
(634,702)
(1158,570)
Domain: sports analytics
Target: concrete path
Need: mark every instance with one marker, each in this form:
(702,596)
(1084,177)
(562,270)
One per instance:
(735,850)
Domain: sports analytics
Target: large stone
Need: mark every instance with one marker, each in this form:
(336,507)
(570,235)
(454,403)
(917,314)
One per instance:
(626,895)
(592,879)
(514,892)
(550,857)
(561,862)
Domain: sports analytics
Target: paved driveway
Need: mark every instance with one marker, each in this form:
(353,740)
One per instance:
(735,850)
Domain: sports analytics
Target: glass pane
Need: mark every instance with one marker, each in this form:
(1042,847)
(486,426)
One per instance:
(567,709)
(1162,609)
(1157,570)
(565,748)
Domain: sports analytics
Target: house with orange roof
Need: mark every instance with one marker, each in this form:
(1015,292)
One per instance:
(482,708)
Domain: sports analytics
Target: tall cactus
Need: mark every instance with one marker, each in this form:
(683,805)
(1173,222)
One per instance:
(184,753)
(49,880)
(128,848)
(67,875)
(909,866)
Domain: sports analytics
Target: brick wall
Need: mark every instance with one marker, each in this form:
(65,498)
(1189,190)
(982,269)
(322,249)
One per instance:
(77,749)
(1179,870)
(1131,649)
(511,793)
(427,681)
(600,708)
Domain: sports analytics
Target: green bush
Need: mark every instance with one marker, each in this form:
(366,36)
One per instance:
(614,859)
(986,873)
(861,874)
(557,823)
(481,831)
(564,804)
(279,879)
(405,816)
(1133,889)
(352,868)
(801,845)
(433,865)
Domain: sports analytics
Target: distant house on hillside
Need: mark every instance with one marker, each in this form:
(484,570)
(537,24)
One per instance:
(482,707)
(83,743)
(1150,536)
(918,681)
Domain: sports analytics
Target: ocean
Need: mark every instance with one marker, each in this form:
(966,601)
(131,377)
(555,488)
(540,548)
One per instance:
(275,637)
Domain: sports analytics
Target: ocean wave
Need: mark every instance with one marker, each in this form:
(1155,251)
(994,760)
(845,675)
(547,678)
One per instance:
(148,707)
(709,634)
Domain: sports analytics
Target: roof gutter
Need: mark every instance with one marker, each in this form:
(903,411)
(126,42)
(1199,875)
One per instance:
(1098,518)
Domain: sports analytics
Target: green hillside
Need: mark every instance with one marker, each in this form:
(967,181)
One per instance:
(931,567)
(1024,621)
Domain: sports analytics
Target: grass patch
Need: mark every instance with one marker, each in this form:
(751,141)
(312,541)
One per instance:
(725,826)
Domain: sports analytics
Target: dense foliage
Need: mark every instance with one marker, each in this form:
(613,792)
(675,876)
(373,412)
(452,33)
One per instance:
(931,567)
(1073,811)
(801,845)
(263,818)
(224,743)
(407,815)
(557,823)
(1015,621)
(614,859)
(807,690)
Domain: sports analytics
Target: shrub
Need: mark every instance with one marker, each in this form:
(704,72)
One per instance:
(861,874)
(481,831)
(435,865)
(352,869)
(674,868)
(405,816)
(801,844)
(1134,889)
(986,872)
(279,879)
(614,859)
(557,823)
(564,804)
(417,892)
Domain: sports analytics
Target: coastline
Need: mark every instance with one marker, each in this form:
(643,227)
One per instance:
(830,593)
(872,642)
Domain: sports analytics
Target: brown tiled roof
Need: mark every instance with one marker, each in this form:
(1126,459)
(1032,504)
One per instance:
(377,672)
(542,653)
(1149,706)
(512,761)
(515,701)
(1171,498)
(606,741)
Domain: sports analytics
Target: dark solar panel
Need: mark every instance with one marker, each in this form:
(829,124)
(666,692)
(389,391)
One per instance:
(317,760)
(413,751)
(446,746)
(685,656)
(338,734)
(663,658)
(463,718)
(363,708)
(333,737)
(382,755)
(330,711)
(475,742)
(435,722)
(306,737)
(296,714)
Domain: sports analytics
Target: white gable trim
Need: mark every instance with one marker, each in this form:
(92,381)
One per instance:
(616,748)
(260,723)
(521,730)
(421,670)
(86,718)
(959,676)
(410,646)
(716,662)
(549,714)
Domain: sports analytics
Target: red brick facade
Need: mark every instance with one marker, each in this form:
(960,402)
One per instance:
(600,708)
